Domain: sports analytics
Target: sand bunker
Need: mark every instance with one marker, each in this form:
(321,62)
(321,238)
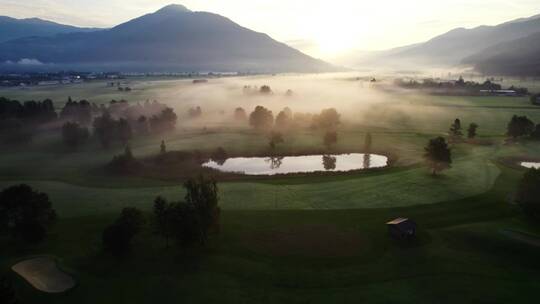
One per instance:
(44,275)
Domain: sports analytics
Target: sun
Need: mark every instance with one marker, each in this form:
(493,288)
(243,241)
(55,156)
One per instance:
(334,38)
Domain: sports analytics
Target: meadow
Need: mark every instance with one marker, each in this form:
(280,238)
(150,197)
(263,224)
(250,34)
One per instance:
(293,239)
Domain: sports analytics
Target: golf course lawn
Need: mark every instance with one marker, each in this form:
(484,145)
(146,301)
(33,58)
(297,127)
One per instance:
(311,238)
(296,256)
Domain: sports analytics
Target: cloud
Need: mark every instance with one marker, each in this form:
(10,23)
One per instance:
(26,61)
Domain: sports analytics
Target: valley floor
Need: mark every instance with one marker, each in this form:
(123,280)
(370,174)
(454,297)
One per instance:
(300,239)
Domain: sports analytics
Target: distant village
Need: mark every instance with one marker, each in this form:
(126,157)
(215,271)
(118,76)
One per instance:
(67,78)
(461,87)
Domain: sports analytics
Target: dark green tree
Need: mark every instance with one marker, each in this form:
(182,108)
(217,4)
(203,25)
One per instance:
(219,156)
(455,129)
(125,163)
(471,131)
(284,119)
(163,218)
(266,90)
(528,193)
(123,131)
(202,195)
(328,120)
(118,236)
(261,119)
(535,99)
(367,142)
(275,139)
(519,126)
(240,114)
(330,138)
(73,134)
(536,133)
(162,147)
(104,129)
(438,155)
(7,292)
(25,213)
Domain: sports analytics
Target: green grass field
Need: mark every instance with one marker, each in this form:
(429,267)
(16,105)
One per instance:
(298,239)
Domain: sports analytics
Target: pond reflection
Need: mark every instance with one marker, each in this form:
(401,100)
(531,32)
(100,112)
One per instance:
(367,160)
(329,162)
(275,162)
(299,164)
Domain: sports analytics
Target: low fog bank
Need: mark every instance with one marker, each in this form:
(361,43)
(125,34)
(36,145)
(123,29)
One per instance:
(360,99)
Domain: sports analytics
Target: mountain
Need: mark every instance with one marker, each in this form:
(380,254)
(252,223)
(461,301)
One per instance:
(520,57)
(11,28)
(452,47)
(171,39)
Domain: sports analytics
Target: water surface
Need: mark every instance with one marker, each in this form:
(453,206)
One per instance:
(299,164)
(535,165)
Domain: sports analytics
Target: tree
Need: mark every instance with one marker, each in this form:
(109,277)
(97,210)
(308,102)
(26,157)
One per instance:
(519,126)
(202,195)
(163,218)
(240,114)
(164,122)
(25,213)
(80,112)
(219,156)
(261,118)
(284,119)
(162,147)
(117,237)
(124,163)
(123,131)
(535,99)
(438,155)
(275,139)
(186,224)
(7,293)
(367,142)
(73,134)
(528,193)
(455,129)
(328,120)
(536,133)
(141,127)
(330,138)
(104,129)
(14,131)
(266,90)
(195,112)
(471,131)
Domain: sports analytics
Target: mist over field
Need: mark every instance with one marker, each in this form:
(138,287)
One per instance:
(269,152)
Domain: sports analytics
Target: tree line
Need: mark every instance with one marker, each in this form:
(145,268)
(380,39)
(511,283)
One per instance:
(118,121)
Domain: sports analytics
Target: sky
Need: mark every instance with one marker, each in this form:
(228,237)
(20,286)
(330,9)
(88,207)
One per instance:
(324,29)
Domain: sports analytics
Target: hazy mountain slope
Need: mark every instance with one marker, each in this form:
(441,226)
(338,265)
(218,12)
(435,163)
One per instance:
(452,47)
(459,43)
(172,38)
(11,28)
(517,57)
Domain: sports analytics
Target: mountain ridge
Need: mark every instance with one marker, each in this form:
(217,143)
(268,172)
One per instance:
(157,41)
(13,28)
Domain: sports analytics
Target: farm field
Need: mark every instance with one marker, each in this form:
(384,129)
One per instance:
(314,238)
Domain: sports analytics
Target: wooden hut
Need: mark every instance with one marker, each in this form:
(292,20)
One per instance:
(402,228)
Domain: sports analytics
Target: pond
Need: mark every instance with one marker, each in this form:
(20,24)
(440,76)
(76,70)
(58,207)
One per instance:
(535,165)
(299,164)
